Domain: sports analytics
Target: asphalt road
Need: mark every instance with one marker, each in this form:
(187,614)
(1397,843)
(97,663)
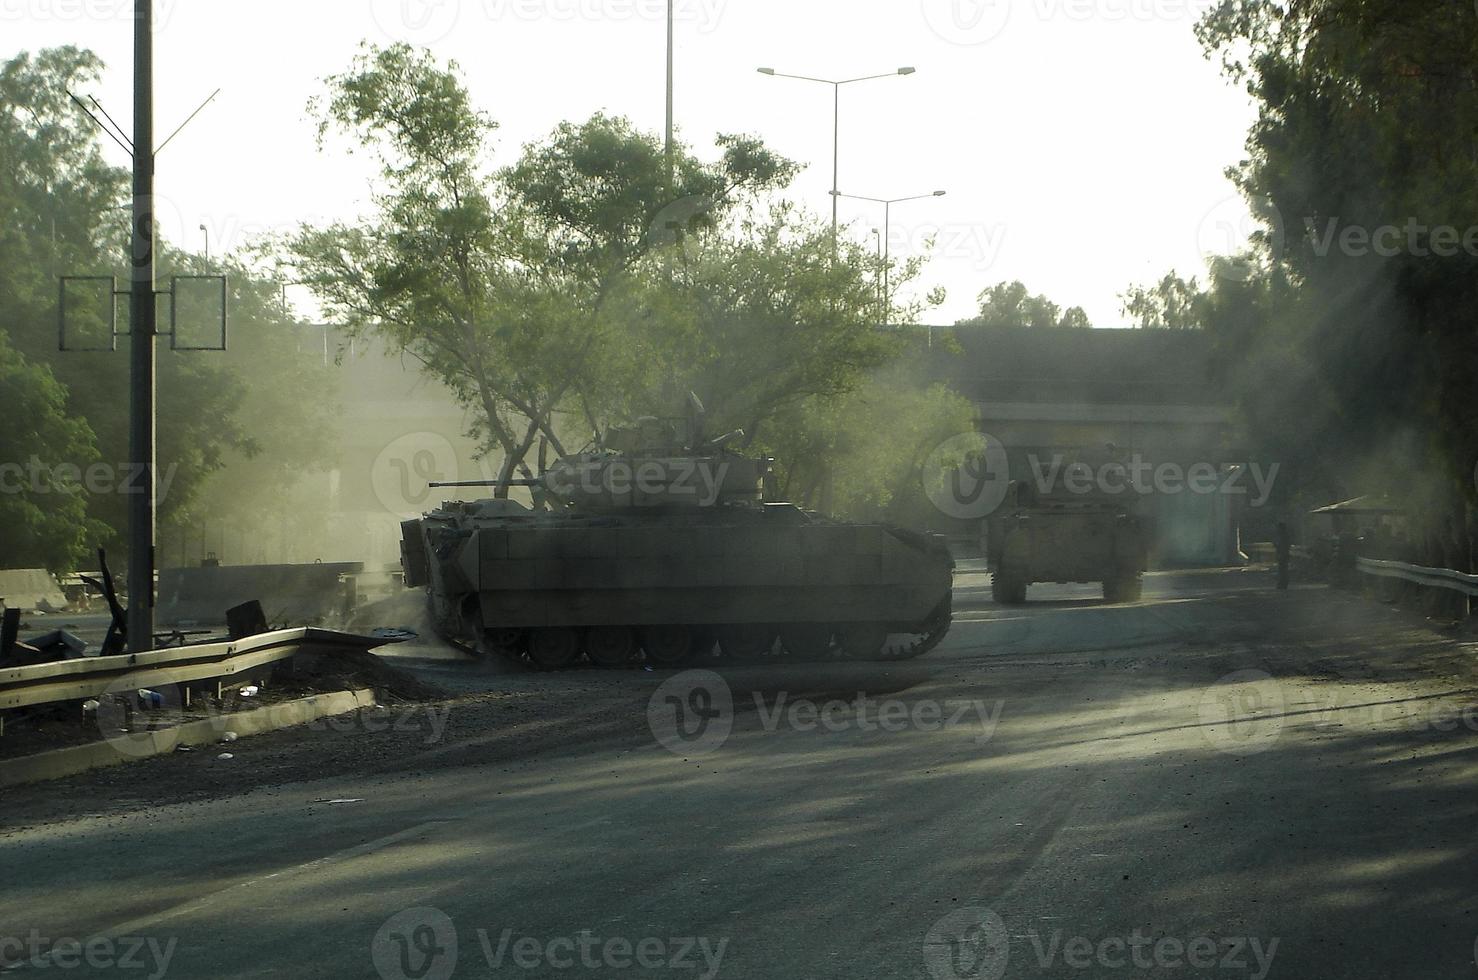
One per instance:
(1219,781)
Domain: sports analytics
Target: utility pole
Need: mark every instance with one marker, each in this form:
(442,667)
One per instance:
(142,487)
(671,46)
(140,484)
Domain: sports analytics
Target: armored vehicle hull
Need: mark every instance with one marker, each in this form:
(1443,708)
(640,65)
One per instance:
(1049,539)
(615,588)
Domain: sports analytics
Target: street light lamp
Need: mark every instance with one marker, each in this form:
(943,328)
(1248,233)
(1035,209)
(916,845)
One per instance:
(887,204)
(836,125)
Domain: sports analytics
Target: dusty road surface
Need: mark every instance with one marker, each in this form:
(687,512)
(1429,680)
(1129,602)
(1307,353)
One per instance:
(1219,781)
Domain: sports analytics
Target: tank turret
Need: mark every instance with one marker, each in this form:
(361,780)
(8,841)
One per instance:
(653,464)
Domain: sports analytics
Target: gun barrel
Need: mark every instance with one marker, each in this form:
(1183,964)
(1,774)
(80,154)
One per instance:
(486,483)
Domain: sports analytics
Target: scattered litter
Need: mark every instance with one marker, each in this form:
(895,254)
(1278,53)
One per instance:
(184,748)
(337,802)
(250,692)
(90,706)
(151,699)
(229,736)
(225,757)
(394,635)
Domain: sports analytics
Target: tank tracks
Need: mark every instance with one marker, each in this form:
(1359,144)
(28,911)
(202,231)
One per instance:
(680,646)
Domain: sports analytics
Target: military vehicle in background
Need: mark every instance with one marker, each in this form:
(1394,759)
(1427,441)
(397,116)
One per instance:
(1061,534)
(663,543)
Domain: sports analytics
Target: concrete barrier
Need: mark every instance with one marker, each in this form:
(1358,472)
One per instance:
(31,590)
(290,594)
(60,763)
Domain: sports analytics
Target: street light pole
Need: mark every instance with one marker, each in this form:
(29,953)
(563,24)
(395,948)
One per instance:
(206,232)
(836,127)
(141,479)
(887,204)
(671,44)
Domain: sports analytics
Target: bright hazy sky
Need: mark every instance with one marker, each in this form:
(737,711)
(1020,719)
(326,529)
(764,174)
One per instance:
(1082,142)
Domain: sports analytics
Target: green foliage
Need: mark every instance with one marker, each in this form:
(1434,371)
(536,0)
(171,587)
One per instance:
(1011,304)
(43,512)
(860,455)
(584,284)
(1172,303)
(1368,120)
(65,214)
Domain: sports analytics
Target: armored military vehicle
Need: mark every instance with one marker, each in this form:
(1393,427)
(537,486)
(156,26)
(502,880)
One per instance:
(1061,536)
(658,542)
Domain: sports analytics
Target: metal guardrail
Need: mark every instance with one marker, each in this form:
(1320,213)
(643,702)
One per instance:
(1437,578)
(78,680)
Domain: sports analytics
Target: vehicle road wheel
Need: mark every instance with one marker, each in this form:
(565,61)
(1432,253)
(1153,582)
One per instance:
(746,642)
(1007,589)
(554,649)
(806,641)
(1128,588)
(862,641)
(503,643)
(669,646)
(610,646)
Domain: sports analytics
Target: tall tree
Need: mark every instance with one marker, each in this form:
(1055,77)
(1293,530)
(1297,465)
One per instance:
(504,284)
(1363,165)
(1011,304)
(1172,303)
